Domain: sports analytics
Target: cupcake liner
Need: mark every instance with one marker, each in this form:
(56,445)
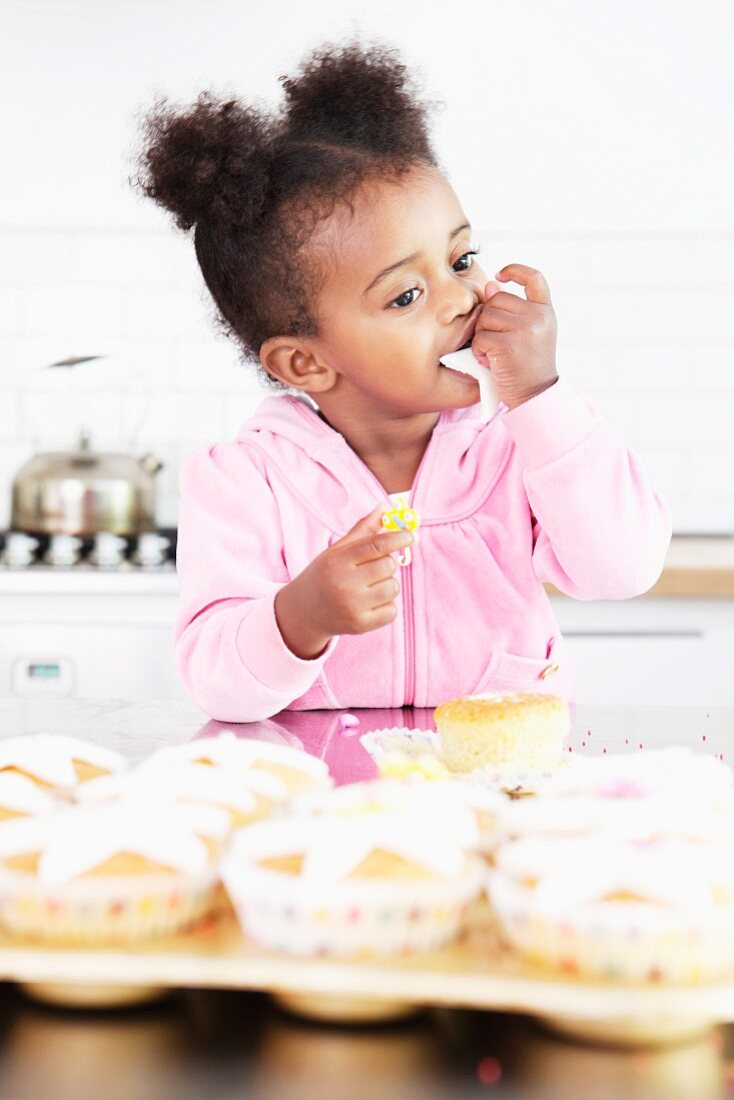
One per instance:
(626,942)
(352,916)
(106,909)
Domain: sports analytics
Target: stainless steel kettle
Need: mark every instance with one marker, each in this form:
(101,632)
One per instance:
(82,492)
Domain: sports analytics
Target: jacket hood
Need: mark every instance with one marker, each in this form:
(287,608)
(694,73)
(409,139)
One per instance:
(286,429)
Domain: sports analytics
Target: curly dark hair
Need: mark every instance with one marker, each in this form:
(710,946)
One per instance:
(254,185)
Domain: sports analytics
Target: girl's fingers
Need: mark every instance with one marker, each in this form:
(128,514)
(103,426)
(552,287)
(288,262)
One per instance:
(379,545)
(495,320)
(490,343)
(374,572)
(506,301)
(534,282)
(384,592)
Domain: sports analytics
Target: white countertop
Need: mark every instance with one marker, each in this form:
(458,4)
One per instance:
(137,728)
(88,580)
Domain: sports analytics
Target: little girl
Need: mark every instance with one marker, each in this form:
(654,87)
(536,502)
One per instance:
(341,262)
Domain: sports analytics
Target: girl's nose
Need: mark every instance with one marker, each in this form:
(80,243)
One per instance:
(458,299)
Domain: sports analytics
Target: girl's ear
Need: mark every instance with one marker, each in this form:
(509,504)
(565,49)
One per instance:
(294,363)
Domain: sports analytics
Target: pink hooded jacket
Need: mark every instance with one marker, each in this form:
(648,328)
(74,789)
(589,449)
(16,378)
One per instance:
(547,491)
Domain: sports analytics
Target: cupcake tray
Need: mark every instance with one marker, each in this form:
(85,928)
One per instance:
(473,973)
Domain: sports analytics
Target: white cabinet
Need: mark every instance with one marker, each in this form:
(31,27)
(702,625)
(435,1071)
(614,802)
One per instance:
(650,650)
(95,635)
(88,636)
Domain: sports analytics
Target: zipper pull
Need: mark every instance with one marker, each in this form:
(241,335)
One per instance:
(402,518)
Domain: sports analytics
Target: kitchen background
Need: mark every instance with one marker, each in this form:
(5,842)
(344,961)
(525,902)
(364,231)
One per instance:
(591,141)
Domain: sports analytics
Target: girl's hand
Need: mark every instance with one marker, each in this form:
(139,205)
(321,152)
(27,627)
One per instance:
(516,338)
(348,589)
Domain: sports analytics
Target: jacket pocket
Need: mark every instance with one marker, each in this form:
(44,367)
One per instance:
(513,672)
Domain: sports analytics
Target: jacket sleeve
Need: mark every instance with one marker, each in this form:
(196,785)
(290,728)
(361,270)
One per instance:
(602,531)
(228,649)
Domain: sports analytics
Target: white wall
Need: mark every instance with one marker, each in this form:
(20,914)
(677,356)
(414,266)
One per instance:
(592,140)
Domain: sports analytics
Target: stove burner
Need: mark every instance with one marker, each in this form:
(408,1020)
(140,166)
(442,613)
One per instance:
(105,550)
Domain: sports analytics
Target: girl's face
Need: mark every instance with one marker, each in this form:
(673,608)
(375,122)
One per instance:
(381,331)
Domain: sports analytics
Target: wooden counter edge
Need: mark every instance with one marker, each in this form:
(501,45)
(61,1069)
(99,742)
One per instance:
(681,582)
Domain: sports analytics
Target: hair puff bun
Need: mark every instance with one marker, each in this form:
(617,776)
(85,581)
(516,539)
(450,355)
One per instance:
(208,161)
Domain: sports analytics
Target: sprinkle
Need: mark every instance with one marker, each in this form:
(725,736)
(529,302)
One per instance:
(489,1070)
(583,744)
(604,750)
(703,738)
(640,744)
(626,741)
(588,733)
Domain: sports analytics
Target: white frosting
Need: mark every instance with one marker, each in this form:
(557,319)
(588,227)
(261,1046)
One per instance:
(22,795)
(229,751)
(636,774)
(656,815)
(418,823)
(184,779)
(578,871)
(50,757)
(76,840)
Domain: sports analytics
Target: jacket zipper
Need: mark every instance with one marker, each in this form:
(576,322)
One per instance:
(409,620)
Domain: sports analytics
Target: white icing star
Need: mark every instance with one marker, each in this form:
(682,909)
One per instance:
(76,840)
(50,756)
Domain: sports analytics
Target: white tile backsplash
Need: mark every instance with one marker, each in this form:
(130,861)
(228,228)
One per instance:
(645,327)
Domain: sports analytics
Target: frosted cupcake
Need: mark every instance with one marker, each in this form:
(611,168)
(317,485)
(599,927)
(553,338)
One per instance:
(510,736)
(245,760)
(377,868)
(245,798)
(56,762)
(113,873)
(611,872)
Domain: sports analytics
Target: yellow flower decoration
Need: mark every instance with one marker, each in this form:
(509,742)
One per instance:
(402,518)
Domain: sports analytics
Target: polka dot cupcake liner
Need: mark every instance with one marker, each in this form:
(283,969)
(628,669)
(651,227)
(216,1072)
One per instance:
(106,909)
(351,917)
(618,942)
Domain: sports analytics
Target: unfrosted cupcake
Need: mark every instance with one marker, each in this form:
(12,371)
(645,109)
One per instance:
(56,762)
(512,735)
(617,869)
(110,873)
(376,868)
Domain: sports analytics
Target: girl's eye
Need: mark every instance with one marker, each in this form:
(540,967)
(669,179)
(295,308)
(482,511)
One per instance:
(401,301)
(471,252)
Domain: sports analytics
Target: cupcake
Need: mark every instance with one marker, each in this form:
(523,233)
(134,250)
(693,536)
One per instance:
(56,762)
(401,753)
(114,873)
(511,735)
(619,871)
(245,759)
(376,868)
